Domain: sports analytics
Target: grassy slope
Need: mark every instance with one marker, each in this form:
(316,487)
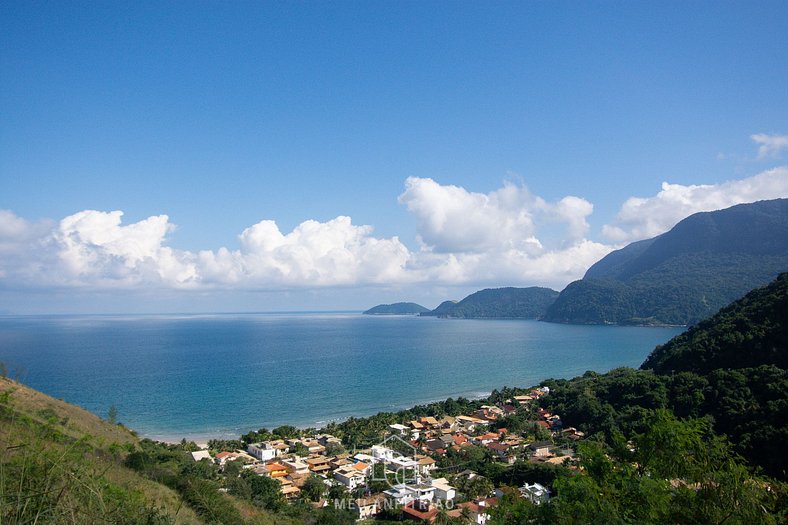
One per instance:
(77,456)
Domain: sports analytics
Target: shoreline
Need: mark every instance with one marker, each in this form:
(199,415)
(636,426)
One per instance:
(202,438)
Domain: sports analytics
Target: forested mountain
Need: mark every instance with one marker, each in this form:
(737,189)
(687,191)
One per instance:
(730,369)
(500,303)
(685,274)
(397,309)
(750,332)
(442,310)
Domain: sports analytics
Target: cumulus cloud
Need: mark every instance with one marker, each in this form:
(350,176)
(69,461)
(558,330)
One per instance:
(453,220)
(94,249)
(498,237)
(770,145)
(641,218)
(465,238)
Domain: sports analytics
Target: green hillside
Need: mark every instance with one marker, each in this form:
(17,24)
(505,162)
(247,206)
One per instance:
(500,303)
(62,464)
(729,369)
(397,309)
(685,275)
(750,332)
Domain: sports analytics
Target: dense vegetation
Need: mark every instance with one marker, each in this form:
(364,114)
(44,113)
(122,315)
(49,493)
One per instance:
(674,471)
(684,275)
(397,309)
(501,303)
(750,332)
(729,369)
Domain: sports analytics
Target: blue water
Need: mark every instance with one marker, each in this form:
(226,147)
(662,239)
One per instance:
(223,375)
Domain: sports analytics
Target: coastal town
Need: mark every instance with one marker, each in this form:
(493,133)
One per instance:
(408,474)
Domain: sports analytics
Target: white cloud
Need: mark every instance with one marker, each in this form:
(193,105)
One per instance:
(454,220)
(466,238)
(498,237)
(770,145)
(93,249)
(641,218)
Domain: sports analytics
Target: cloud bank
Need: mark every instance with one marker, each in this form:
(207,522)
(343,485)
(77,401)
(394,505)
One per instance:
(642,218)
(504,237)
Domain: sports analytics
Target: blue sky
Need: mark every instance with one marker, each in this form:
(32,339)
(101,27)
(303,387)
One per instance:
(467,144)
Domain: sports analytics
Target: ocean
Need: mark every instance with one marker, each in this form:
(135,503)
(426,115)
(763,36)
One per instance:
(203,376)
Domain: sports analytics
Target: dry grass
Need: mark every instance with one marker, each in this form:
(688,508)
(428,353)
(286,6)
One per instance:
(34,425)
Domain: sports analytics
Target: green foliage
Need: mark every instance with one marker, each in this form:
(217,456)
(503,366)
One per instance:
(112,414)
(313,488)
(396,309)
(747,333)
(519,303)
(679,472)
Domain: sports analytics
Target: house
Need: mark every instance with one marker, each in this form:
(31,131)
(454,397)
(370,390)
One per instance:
(268,450)
(420,512)
(290,492)
(363,468)
(403,494)
(296,466)
(350,477)
(318,464)
(326,439)
(201,454)
(223,457)
(366,508)
(536,493)
(276,470)
(484,439)
(479,509)
(540,449)
(435,445)
(573,433)
(340,461)
(429,422)
(503,451)
(443,491)
(469,423)
(398,429)
(425,465)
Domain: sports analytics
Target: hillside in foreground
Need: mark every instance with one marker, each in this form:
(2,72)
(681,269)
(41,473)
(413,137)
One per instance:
(684,275)
(62,464)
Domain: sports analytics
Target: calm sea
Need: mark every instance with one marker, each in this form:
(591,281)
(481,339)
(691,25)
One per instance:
(199,376)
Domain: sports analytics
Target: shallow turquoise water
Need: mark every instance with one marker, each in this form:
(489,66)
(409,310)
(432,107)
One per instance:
(223,375)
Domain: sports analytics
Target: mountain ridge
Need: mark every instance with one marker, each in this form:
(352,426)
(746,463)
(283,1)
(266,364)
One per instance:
(684,275)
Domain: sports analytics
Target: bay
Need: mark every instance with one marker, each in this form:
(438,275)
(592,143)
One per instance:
(201,376)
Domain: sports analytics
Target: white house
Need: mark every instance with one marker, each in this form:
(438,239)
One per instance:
(536,493)
(201,454)
(350,477)
(443,491)
(267,450)
(401,430)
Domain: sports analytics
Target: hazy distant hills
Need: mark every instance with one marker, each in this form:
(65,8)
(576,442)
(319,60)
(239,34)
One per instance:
(684,275)
(500,303)
(397,309)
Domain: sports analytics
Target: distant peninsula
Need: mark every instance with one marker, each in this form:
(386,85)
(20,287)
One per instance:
(499,303)
(397,309)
